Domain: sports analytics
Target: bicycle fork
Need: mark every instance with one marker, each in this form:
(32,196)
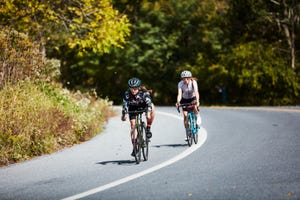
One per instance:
(193,122)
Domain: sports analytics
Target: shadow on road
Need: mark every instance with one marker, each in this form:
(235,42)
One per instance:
(131,162)
(169,145)
(118,162)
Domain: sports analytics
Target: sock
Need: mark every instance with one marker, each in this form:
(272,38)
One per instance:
(134,141)
(199,120)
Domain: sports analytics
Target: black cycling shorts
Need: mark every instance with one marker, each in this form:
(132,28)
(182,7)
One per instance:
(187,100)
(135,108)
(183,101)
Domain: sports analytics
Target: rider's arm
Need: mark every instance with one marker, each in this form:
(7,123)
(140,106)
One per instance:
(125,106)
(125,103)
(196,92)
(148,101)
(179,96)
(197,97)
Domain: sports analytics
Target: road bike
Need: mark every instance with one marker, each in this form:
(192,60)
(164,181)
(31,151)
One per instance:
(191,127)
(141,144)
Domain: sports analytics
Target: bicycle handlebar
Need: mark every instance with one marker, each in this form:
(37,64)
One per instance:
(184,105)
(136,111)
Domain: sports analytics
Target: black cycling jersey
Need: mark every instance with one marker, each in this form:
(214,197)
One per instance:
(133,102)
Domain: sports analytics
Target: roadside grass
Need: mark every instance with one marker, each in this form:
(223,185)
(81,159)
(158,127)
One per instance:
(39,118)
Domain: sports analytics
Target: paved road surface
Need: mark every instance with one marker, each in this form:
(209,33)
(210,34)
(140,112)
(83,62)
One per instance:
(247,154)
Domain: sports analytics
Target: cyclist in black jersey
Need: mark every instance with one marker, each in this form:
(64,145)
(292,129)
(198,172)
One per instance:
(137,97)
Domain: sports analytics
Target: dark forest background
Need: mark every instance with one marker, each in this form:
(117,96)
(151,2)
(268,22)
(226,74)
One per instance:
(242,52)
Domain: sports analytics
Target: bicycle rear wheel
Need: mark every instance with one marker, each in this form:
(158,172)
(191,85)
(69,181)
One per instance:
(145,143)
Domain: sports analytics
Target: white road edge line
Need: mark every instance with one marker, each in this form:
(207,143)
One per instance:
(188,151)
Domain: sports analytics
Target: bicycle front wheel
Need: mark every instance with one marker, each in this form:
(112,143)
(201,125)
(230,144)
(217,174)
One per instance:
(145,143)
(195,130)
(188,131)
(195,137)
(137,147)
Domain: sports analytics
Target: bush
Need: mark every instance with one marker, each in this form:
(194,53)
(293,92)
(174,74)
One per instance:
(20,57)
(39,118)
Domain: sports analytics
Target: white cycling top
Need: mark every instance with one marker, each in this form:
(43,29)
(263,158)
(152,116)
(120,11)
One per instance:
(188,90)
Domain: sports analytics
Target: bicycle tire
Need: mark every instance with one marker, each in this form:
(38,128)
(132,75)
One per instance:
(195,137)
(189,131)
(195,131)
(137,149)
(145,143)
(136,152)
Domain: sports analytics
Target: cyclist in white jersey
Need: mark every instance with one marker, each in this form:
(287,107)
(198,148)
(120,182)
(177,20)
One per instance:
(188,93)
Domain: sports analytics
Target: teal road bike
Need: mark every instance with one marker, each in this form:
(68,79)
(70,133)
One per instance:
(191,128)
(141,144)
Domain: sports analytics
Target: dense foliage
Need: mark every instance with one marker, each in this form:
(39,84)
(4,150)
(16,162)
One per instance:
(242,52)
(84,25)
(37,115)
(38,118)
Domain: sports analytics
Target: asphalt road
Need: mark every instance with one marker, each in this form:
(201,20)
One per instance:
(243,153)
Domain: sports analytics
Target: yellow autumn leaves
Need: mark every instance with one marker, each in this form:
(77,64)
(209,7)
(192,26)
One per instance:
(81,24)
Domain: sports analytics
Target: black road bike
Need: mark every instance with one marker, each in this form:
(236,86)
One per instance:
(141,144)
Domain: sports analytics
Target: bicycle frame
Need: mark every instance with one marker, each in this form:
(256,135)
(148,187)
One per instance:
(190,124)
(192,120)
(141,145)
(139,123)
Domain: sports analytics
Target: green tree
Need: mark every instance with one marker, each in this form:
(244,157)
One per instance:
(258,75)
(214,39)
(253,47)
(286,15)
(275,21)
(82,24)
(166,38)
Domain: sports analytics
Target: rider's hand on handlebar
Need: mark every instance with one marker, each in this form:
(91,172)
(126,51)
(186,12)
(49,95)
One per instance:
(148,115)
(123,118)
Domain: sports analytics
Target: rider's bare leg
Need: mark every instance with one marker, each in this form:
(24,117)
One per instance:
(152,115)
(184,118)
(133,133)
